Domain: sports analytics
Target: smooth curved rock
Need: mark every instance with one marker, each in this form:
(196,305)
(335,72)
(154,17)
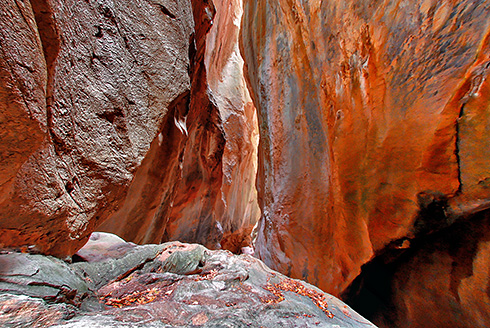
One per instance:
(369,112)
(102,246)
(238,211)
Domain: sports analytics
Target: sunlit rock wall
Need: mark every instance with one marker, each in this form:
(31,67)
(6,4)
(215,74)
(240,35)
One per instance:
(369,113)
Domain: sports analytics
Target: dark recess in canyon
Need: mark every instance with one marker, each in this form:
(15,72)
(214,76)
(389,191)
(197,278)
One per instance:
(438,279)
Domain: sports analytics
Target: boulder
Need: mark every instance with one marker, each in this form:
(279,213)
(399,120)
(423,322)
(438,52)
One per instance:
(41,277)
(176,285)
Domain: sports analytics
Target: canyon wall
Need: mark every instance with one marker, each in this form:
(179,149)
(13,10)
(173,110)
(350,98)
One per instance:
(445,281)
(86,87)
(200,186)
(239,210)
(109,115)
(373,119)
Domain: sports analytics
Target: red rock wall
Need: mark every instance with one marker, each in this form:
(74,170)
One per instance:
(238,209)
(85,88)
(108,114)
(367,111)
(199,186)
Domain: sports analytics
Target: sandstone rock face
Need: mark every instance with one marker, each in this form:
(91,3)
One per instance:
(446,281)
(85,89)
(369,112)
(177,285)
(200,186)
(238,210)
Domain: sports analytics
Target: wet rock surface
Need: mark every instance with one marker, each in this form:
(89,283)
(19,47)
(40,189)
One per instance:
(180,285)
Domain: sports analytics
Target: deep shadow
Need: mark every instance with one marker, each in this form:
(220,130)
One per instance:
(372,293)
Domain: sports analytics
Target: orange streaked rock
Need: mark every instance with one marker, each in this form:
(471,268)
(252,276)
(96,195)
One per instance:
(361,107)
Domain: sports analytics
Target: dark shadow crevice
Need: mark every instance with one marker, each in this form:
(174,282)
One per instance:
(50,41)
(379,292)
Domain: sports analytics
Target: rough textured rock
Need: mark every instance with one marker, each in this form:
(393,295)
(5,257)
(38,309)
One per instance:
(173,198)
(24,311)
(186,285)
(85,89)
(200,187)
(370,112)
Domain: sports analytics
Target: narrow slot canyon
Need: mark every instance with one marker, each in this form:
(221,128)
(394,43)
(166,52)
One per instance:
(244,163)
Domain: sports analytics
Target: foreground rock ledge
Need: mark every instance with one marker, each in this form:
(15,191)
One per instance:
(119,284)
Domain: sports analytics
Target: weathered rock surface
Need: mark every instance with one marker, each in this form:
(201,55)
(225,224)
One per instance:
(85,89)
(370,112)
(173,197)
(200,186)
(183,285)
(100,121)
(42,277)
(24,311)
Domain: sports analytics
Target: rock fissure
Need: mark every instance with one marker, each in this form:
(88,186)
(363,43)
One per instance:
(50,41)
(456,149)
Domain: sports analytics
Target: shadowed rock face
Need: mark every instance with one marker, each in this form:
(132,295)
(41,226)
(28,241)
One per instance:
(442,280)
(85,89)
(445,282)
(368,111)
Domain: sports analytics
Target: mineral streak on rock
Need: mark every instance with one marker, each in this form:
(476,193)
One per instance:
(362,105)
